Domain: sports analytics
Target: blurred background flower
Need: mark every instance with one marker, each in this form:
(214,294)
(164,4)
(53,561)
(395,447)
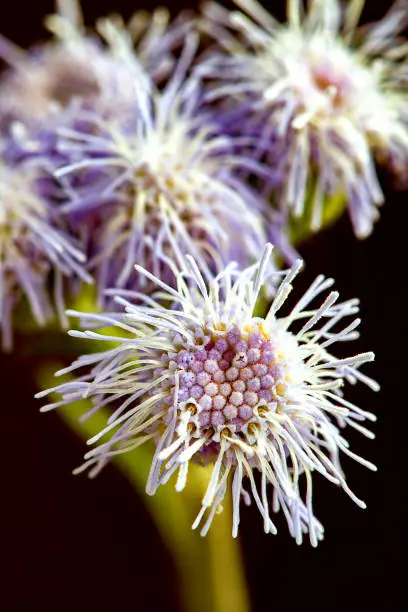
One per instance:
(34,245)
(92,67)
(321,97)
(157,186)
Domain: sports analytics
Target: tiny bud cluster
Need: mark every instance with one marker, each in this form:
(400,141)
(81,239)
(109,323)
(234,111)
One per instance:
(228,377)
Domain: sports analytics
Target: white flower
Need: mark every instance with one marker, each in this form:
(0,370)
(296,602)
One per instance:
(325,97)
(211,383)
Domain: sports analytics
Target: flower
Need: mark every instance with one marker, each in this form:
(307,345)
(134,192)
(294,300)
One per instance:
(99,68)
(211,383)
(158,186)
(32,244)
(323,98)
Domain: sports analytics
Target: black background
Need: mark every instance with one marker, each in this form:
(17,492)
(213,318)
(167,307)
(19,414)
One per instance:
(71,544)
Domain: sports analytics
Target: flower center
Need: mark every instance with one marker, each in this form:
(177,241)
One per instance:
(330,82)
(230,376)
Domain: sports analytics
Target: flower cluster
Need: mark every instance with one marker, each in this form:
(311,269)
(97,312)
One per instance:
(210,382)
(136,171)
(157,158)
(39,246)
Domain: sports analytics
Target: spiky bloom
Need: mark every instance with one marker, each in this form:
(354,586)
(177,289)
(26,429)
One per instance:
(155,188)
(100,68)
(32,244)
(322,96)
(211,383)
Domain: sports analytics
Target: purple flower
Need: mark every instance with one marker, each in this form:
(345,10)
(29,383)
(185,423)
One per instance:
(154,185)
(286,426)
(33,248)
(322,98)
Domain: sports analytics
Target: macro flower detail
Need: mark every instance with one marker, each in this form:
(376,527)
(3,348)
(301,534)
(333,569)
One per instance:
(208,382)
(152,189)
(32,244)
(323,97)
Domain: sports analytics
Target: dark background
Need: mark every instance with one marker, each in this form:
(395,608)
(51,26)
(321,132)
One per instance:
(71,544)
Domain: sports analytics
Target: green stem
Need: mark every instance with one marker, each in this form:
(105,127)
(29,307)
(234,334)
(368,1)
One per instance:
(210,569)
(227,575)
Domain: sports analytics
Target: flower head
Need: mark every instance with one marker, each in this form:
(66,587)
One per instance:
(158,186)
(32,244)
(211,383)
(323,97)
(100,69)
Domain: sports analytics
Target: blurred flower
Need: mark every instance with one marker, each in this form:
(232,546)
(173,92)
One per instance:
(211,383)
(322,97)
(32,243)
(155,187)
(101,68)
